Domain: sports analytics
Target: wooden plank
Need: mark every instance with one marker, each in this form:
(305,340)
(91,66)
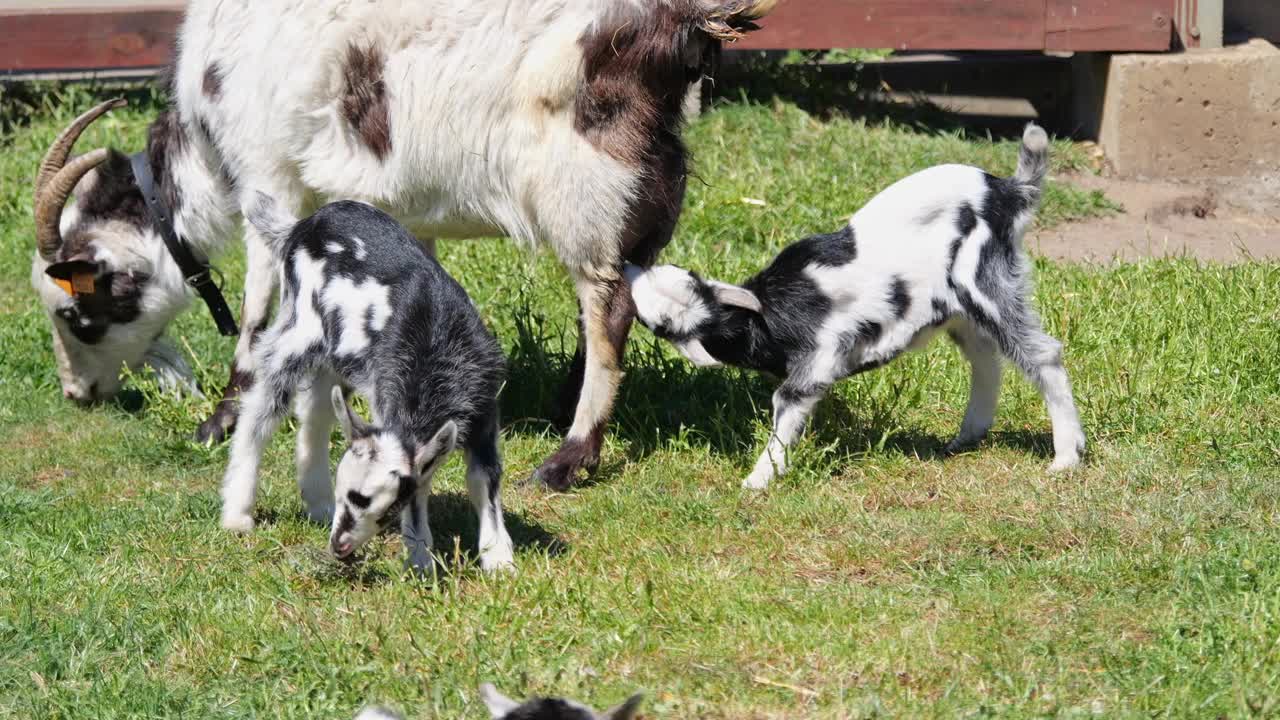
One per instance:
(902,25)
(1085,25)
(1097,25)
(141,36)
(85,39)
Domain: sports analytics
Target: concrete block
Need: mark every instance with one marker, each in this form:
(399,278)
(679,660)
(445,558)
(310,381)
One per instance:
(1201,113)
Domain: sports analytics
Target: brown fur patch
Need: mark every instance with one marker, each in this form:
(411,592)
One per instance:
(212,85)
(166,140)
(637,69)
(364,100)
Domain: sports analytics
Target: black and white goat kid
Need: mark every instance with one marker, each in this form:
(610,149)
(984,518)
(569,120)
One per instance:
(502,707)
(941,249)
(364,306)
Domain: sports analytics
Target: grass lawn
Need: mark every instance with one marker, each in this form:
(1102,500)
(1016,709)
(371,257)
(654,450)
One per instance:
(876,579)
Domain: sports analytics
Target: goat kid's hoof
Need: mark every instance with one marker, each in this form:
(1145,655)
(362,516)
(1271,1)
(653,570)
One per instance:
(498,562)
(237,522)
(1064,464)
(321,515)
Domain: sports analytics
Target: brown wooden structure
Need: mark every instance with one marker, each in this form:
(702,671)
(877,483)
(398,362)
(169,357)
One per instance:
(65,37)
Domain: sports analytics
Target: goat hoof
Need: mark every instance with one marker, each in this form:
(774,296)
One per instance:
(216,429)
(556,476)
(237,522)
(1064,464)
(755,483)
(498,562)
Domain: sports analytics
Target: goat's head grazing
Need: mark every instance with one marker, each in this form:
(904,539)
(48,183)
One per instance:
(681,308)
(93,268)
(378,476)
(502,707)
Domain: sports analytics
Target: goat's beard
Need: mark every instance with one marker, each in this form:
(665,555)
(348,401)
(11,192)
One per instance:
(171,369)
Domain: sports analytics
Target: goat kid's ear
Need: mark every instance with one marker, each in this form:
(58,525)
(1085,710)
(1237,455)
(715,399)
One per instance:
(625,711)
(437,448)
(735,296)
(499,705)
(353,426)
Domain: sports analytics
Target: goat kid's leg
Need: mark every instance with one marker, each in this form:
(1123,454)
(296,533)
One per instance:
(264,404)
(607,313)
(415,530)
(984,389)
(792,406)
(1039,356)
(314,409)
(260,281)
(484,478)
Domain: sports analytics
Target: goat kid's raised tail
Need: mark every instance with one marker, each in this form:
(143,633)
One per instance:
(1033,158)
(271,221)
(729,20)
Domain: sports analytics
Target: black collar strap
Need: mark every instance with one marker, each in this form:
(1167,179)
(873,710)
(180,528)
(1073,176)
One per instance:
(198,274)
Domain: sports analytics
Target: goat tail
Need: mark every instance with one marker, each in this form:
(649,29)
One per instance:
(1033,158)
(271,221)
(730,20)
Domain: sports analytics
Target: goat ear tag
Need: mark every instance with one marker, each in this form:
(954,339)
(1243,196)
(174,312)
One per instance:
(65,285)
(82,283)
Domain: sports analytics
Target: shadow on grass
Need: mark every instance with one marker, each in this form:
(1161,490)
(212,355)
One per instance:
(23,102)
(665,401)
(455,532)
(852,91)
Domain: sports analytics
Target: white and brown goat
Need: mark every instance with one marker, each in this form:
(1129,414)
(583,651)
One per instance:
(552,122)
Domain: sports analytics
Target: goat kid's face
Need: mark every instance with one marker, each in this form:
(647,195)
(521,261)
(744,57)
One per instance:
(502,707)
(681,308)
(378,477)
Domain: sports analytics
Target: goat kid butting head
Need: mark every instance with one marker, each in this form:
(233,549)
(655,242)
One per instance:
(939,250)
(108,301)
(378,476)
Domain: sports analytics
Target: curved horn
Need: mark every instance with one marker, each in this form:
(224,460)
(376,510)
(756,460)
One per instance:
(54,195)
(61,148)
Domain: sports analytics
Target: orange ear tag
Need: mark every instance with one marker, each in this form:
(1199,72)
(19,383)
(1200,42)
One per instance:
(65,285)
(82,283)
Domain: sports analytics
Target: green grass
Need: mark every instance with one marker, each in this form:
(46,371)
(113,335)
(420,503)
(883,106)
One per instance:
(876,579)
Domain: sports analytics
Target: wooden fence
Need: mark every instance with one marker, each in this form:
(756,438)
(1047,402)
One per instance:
(109,35)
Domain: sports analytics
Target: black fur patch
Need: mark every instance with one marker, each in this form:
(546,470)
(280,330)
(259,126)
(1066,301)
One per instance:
(899,297)
(966,222)
(117,300)
(113,195)
(998,259)
(360,500)
(547,709)
(166,141)
(346,522)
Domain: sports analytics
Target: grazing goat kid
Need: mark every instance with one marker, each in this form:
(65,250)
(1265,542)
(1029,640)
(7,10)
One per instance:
(503,708)
(941,249)
(366,307)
